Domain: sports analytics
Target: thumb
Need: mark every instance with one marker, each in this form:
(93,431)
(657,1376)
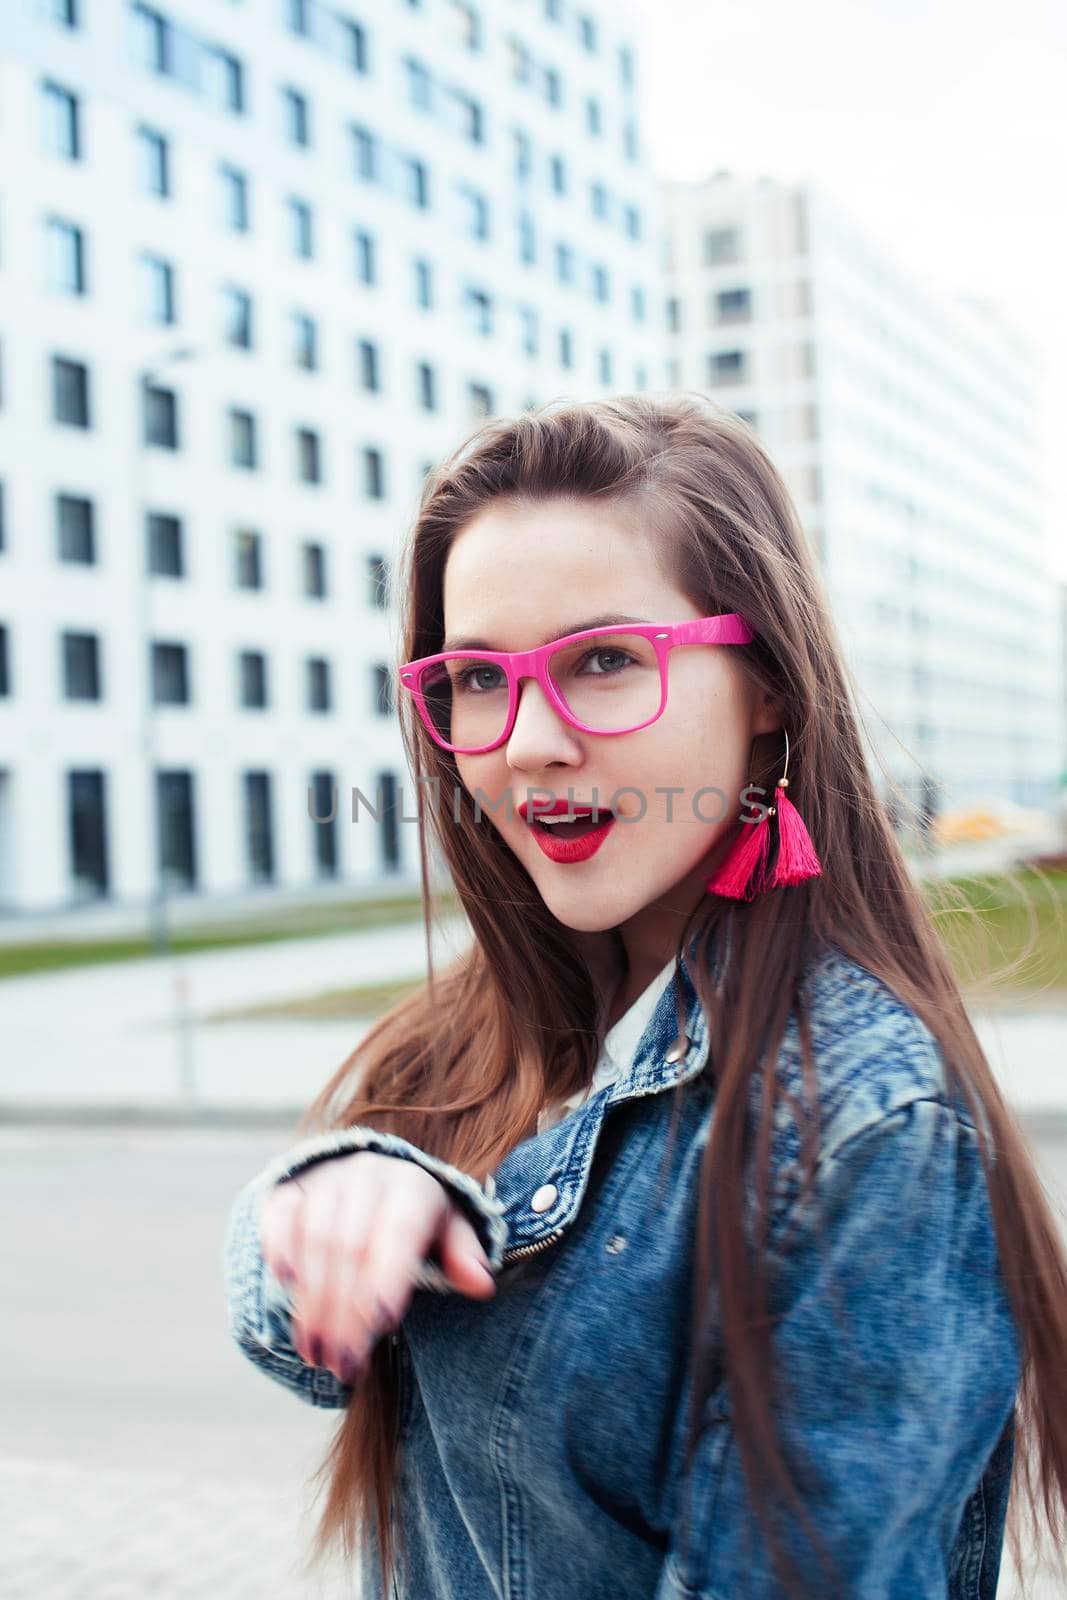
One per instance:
(464,1261)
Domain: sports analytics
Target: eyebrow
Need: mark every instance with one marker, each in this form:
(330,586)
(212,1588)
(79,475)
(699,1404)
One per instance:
(609,620)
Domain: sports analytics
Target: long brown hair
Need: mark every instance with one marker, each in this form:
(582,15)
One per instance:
(462,1067)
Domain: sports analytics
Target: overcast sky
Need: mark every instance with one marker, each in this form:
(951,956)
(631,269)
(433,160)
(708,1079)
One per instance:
(940,125)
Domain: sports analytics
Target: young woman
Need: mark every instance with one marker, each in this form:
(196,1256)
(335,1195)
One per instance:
(712,1263)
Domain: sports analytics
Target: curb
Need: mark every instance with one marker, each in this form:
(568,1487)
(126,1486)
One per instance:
(1048,1121)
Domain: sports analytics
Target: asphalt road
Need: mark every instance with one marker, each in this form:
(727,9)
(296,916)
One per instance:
(141,1454)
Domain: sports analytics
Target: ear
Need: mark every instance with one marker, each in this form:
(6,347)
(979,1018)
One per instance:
(767,716)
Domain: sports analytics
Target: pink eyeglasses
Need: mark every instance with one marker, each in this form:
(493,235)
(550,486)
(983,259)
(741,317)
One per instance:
(469,699)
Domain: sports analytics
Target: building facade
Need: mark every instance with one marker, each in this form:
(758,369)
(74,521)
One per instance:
(261,263)
(906,425)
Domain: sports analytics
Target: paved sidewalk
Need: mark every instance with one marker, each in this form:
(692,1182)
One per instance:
(70,1534)
(129,1034)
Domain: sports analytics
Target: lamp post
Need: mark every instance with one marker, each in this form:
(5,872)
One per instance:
(157,908)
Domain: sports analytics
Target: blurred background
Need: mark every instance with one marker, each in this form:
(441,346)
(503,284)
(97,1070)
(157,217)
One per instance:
(262,262)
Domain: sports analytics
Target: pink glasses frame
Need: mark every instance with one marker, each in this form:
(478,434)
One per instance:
(726,628)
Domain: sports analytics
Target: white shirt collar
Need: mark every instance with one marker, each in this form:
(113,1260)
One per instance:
(622,1039)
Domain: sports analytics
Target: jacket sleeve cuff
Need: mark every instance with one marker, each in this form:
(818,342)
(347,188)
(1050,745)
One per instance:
(477,1202)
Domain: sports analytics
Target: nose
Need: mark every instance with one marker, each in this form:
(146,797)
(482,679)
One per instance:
(540,735)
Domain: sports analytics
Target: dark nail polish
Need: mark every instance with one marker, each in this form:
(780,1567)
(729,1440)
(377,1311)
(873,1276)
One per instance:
(383,1318)
(351,1365)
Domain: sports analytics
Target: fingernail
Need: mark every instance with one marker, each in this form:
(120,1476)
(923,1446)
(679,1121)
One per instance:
(383,1318)
(351,1364)
(315,1351)
(286,1273)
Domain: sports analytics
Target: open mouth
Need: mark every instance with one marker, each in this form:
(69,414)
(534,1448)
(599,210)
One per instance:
(577,827)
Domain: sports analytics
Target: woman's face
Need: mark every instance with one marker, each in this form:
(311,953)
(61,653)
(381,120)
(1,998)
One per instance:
(518,576)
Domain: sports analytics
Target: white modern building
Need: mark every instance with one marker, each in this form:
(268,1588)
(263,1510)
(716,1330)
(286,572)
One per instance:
(261,262)
(906,425)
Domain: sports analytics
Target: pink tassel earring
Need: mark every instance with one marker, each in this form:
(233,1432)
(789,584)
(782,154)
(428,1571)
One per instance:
(743,873)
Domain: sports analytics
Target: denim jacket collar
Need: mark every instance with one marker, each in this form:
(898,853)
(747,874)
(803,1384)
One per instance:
(541,1182)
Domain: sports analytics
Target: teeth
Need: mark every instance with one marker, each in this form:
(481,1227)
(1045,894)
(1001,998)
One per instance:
(565,818)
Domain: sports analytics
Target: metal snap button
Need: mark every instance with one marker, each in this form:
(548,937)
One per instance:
(544,1197)
(616,1244)
(678,1048)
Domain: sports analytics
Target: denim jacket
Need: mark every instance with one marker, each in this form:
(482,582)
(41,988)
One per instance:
(541,1432)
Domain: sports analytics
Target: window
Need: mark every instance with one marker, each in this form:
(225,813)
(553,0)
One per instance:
(236,317)
(637,303)
(420,84)
(479,309)
(427,386)
(65,12)
(300,228)
(523,154)
(553,87)
(62,121)
(298,16)
(308,456)
(154,38)
(564,263)
(75,529)
(629,140)
(222,79)
(296,117)
(720,244)
(353,44)
(153,158)
(468,117)
(87,818)
(598,199)
(373,474)
(423,283)
(733,305)
(527,239)
(81,666)
(323,803)
(170,675)
(557,174)
(242,425)
(481,399)
(626,65)
(520,61)
(160,414)
(157,290)
(313,569)
(592,115)
(418,179)
(164,545)
(259,828)
(476,207)
(465,25)
(377,582)
(176,829)
(364,256)
(305,340)
(726,366)
(252,669)
(364,153)
(248,558)
(530,340)
(382,690)
(70,392)
(5,666)
(605,364)
(319,697)
(601,283)
(367,365)
(65,250)
(566,348)
(233,186)
(632,222)
(587,32)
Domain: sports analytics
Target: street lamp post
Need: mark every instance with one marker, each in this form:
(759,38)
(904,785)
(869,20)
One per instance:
(157,906)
